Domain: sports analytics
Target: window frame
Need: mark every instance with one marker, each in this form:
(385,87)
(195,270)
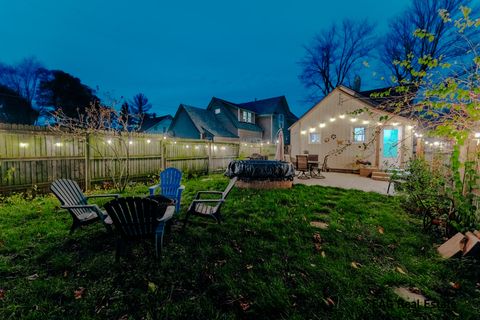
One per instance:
(310,137)
(355,135)
(281,120)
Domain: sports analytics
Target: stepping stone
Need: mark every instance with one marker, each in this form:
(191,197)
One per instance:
(472,247)
(453,247)
(319,224)
(409,295)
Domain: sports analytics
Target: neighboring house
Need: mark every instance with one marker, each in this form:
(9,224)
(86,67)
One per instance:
(255,121)
(195,123)
(334,127)
(156,124)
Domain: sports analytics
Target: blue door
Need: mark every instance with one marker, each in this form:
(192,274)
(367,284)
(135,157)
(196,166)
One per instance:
(390,143)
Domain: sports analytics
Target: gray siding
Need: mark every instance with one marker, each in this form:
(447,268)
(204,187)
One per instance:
(183,127)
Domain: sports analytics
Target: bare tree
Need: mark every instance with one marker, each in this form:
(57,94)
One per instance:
(23,78)
(335,55)
(420,32)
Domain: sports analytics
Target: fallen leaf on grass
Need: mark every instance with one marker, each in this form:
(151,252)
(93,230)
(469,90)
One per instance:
(455,285)
(249,266)
(32,277)
(400,270)
(381,230)
(2,294)
(355,265)
(317,238)
(152,287)
(329,302)
(244,304)
(323,254)
(78,294)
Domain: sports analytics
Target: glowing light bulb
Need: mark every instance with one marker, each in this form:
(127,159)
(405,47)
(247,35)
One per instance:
(311,129)
(365,122)
(322,125)
(148,141)
(303,132)
(342,116)
(353,119)
(332,119)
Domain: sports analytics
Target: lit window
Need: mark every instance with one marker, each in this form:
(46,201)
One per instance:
(246,116)
(217,111)
(359,134)
(314,137)
(281,120)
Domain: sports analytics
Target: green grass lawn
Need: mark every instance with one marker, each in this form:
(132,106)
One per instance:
(261,263)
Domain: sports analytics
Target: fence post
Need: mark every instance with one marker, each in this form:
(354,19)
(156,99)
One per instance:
(87,162)
(209,156)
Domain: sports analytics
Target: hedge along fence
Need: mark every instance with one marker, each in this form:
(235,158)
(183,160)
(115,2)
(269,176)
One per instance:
(33,157)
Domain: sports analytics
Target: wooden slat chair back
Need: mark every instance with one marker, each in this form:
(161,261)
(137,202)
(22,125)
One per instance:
(169,186)
(302,166)
(138,218)
(209,208)
(72,198)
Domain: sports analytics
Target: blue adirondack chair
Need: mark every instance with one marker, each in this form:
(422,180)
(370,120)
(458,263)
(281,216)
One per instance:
(170,187)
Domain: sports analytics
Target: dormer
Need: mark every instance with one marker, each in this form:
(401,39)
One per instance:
(245,115)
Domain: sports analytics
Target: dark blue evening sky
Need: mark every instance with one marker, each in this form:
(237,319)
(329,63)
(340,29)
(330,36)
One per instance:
(179,51)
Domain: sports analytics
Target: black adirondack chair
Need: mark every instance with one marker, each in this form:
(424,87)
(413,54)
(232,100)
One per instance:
(209,208)
(72,198)
(137,218)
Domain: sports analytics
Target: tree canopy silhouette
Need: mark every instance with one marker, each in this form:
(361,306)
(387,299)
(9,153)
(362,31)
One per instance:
(60,90)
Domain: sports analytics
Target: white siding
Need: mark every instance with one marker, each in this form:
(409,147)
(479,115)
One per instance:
(335,134)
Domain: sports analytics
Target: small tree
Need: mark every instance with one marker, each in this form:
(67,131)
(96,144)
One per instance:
(107,133)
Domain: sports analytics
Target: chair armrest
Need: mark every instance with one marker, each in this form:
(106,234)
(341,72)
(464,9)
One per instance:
(152,189)
(199,193)
(207,200)
(180,190)
(103,196)
(168,214)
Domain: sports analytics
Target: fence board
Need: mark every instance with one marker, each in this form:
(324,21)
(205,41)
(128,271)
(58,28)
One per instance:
(35,156)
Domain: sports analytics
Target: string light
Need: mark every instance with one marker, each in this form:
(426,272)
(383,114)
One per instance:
(332,119)
(394,124)
(477,134)
(148,141)
(58,144)
(23,144)
(342,116)
(353,119)
(130,142)
(365,122)
(109,141)
(322,125)
(303,132)
(312,130)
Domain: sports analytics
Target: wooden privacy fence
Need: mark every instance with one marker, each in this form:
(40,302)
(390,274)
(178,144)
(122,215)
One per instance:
(33,157)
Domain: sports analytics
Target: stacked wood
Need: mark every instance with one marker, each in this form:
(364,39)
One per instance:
(467,245)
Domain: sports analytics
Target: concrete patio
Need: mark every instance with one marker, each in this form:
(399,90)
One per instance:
(347,181)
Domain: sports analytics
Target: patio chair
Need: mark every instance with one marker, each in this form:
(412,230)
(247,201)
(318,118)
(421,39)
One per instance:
(313,158)
(137,218)
(169,186)
(72,198)
(302,166)
(209,208)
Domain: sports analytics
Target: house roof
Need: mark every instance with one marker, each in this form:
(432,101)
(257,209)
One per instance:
(234,119)
(205,121)
(149,122)
(268,106)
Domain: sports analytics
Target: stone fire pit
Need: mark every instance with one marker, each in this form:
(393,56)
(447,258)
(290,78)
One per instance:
(261,174)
